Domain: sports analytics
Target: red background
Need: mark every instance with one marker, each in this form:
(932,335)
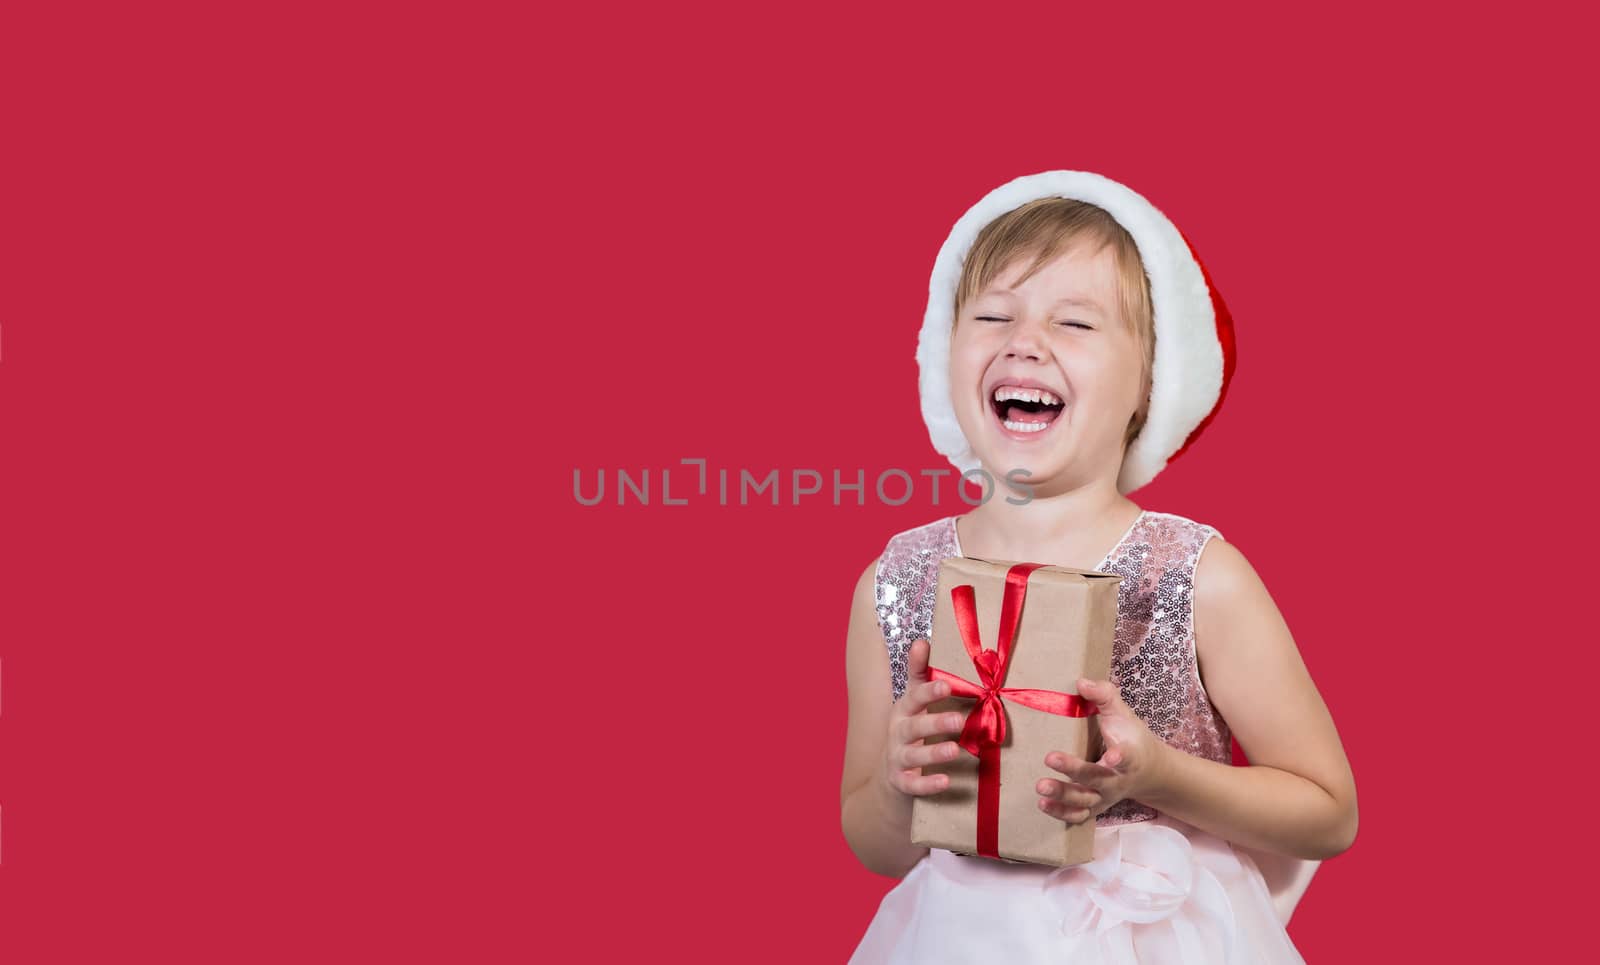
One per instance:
(309,316)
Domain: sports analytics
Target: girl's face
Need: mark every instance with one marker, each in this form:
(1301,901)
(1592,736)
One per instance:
(1044,375)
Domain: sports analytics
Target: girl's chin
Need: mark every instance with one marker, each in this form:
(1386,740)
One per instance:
(1030,454)
(1028,462)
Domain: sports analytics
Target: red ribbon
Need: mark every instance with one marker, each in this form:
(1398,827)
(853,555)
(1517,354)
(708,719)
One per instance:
(985,728)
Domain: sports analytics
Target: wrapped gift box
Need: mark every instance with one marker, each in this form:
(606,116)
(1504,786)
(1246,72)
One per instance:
(1021,703)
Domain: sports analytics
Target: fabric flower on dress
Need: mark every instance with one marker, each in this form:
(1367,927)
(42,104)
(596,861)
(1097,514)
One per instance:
(1154,878)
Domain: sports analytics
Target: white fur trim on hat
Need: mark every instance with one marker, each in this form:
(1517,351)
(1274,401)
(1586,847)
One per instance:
(1187,378)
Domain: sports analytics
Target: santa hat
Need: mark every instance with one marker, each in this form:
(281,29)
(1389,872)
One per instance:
(1194,353)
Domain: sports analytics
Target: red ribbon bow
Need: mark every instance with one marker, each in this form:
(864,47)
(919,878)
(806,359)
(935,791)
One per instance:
(985,727)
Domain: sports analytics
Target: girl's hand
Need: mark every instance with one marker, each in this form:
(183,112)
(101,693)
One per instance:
(1130,766)
(906,751)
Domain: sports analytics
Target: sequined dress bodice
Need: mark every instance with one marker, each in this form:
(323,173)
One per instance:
(1153,657)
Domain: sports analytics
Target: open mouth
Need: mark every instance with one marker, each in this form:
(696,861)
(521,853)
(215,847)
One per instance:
(1025,411)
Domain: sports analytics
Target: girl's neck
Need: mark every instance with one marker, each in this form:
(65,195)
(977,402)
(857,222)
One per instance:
(1064,529)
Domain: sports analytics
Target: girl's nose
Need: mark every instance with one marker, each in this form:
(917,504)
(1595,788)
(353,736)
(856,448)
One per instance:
(1028,343)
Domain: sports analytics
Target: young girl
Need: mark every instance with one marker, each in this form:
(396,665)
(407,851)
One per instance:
(1073,346)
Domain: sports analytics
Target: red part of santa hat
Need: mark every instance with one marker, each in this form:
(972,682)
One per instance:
(1194,355)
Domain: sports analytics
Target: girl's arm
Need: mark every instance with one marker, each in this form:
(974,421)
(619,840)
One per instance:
(876,818)
(1298,796)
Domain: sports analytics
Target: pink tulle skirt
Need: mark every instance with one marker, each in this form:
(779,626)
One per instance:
(1158,892)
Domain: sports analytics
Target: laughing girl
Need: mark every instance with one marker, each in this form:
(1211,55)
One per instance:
(1073,346)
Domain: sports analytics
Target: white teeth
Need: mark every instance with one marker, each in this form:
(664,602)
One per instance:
(1010,393)
(1026,426)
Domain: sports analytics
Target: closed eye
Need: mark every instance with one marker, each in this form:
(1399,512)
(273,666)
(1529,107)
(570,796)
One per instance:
(994,318)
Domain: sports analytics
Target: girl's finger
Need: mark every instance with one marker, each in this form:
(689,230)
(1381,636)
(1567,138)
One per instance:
(1075,795)
(917,660)
(934,725)
(923,694)
(1105,694)
(1064,812)
(942,752)
(908,730)
(1077,768)
(920,784)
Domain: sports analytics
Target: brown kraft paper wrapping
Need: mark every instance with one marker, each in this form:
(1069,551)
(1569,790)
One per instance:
(1066,631)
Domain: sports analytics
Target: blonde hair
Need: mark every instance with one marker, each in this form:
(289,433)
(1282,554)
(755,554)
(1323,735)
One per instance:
(1047,228)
